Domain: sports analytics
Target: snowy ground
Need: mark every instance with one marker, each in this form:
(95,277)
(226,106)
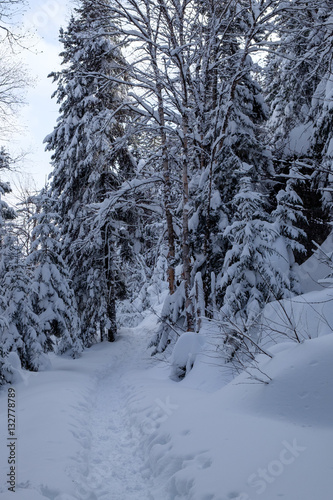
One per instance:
(112,425)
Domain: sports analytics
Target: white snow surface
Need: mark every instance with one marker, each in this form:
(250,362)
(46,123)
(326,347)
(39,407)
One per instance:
(113,425)
(313,271)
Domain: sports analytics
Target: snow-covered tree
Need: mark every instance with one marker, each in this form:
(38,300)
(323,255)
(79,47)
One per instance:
(298,71)
(23,334)
(52,298)
(89,156)
(6,371)
(231,116)
(289,219)
(257,267)
(247,262)
(322,106)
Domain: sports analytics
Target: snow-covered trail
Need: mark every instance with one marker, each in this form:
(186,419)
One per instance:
(113,462)
(113,425)
(77,436)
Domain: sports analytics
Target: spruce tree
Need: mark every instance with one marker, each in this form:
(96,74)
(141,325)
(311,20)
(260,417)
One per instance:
(298,68)
(52,298)
(23,334)
(289,218)
(89,157)
(248,276)
(322,107)
(6,371)
(232,117)
(258,266)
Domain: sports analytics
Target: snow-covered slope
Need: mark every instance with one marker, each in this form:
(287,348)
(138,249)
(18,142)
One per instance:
(113,425)
(314,270)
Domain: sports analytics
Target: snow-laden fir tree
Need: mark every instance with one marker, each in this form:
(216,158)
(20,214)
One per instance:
(52,298)
(288,218)
(254,267)
(220,112)
(322,106)
(231,116)
(89,156)
(6,213)
(6,371)
(23,334)
(10,362)
(297,71)
(241,147)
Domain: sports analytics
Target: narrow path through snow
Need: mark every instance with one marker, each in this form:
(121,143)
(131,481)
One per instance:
(112,464)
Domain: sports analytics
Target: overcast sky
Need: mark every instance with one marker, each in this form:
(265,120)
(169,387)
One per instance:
(38,118)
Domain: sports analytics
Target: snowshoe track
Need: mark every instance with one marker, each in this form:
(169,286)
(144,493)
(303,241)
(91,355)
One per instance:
(112,459)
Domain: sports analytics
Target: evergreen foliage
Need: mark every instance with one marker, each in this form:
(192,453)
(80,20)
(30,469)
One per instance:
(297,75)
(23,334)
(52,298)
(88,157)
(247,275)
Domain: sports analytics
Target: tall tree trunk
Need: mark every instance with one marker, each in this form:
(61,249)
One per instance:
(167,193)
(110,283)
(185,232)
(186,155)
(165,158)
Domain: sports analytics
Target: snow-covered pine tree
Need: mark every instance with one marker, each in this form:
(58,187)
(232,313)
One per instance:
(23,334)
(10,363)
(6,371)
(231,116)
(246,264)
(322,106)
(6,368)
(5,213)
(288,219)
(297,66)
(89,156)
(254,267)
(52,298)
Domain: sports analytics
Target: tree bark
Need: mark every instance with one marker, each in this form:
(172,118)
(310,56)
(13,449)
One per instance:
(165,162)
(167,193)
(110,283)
(185,143)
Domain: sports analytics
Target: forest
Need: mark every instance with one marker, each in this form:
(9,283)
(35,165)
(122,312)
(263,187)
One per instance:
(191,166)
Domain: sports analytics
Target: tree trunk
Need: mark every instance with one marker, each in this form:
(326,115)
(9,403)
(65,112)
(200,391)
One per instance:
(186,199)
(167,194)
(166,171)
(110,283)
(185,240)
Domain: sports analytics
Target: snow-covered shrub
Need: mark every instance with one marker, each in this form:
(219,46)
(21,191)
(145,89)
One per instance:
(187,347)
(172,320)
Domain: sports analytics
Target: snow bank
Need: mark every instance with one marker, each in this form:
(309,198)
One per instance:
(313,270)
(303,317)
(185,352)
(246,438)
